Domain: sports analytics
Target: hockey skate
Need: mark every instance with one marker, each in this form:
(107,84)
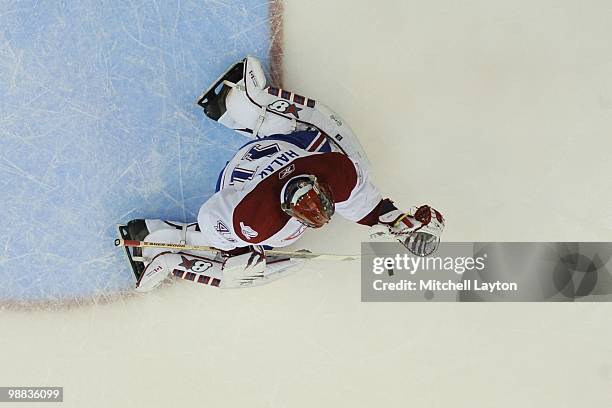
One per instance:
(213,99)
(134,230)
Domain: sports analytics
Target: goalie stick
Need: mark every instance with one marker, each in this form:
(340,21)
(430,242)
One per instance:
(271,252)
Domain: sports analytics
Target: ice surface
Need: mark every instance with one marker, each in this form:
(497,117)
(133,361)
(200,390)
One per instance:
(98,125)
(510,101)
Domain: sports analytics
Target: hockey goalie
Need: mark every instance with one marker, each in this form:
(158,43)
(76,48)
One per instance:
(302,165)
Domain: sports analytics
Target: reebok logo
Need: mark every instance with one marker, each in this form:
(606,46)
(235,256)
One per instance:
(286,171)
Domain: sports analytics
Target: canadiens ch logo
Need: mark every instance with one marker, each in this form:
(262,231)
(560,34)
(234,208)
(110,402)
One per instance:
(286,171)
(247,231)
(285,107)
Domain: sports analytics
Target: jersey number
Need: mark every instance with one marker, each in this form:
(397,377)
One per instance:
(258,151)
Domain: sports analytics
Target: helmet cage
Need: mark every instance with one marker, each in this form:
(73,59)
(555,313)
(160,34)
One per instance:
(308,201)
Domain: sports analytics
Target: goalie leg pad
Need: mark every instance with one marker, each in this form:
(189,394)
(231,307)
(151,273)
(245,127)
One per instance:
(277,268)
(214,100)
(253,269)
(154,273)
(140,230)
(256,111)
(207,271)
(246,270)
(191,237)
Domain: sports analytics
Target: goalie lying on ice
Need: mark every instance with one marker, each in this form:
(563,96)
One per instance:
(302,165)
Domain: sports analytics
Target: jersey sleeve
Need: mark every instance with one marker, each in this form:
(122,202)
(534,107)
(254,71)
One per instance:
(364,197)
(215,220)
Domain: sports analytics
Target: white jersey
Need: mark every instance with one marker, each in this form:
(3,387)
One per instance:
(246,209)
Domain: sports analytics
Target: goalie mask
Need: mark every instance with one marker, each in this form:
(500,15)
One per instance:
(309,200)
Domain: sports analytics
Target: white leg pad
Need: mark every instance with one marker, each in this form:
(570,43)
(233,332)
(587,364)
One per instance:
(245,114)
(204,270)
(254,73)
(175,236)
(252,107)
(251,270)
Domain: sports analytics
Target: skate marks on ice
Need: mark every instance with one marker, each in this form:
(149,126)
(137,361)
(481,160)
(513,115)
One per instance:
(98,125)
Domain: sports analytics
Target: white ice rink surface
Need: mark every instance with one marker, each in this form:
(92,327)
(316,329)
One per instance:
(498,113)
